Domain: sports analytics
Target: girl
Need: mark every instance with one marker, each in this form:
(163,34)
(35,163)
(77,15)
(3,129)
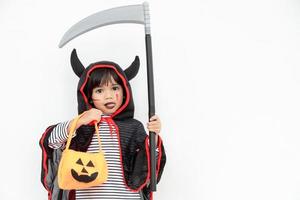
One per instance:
(104,94)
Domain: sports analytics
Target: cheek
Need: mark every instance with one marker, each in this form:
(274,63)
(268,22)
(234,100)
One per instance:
(117,96)
(97,104)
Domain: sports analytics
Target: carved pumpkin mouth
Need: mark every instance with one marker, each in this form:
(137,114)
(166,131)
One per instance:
(84,178)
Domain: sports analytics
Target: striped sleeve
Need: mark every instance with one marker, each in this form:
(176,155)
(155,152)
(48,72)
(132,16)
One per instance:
(59,135)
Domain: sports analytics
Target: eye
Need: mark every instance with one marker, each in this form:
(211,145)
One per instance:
(98,90)
(115,88)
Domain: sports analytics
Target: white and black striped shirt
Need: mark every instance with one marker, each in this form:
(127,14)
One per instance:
(114,187)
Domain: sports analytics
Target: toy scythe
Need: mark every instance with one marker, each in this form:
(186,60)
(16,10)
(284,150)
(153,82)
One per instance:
(138,14)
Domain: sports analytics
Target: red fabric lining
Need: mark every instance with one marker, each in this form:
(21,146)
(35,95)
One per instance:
(159,155)
(109,121)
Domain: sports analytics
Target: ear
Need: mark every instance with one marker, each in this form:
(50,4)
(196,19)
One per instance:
(77,66)
(133,69)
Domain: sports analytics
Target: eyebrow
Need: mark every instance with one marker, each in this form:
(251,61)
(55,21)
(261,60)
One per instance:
(116,84)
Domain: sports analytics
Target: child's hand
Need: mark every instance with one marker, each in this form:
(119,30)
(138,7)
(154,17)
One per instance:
(88,117)
(154,125)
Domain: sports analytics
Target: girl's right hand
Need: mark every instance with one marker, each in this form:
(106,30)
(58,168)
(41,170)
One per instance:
(90,116)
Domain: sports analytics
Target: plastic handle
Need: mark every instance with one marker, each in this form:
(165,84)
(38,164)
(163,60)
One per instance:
(72,129)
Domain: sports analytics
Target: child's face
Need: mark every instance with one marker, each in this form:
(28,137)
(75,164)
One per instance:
(108,98)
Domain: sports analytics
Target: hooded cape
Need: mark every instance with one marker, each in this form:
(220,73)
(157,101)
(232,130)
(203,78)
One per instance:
(133,140)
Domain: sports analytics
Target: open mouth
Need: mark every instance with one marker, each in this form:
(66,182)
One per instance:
(110,105)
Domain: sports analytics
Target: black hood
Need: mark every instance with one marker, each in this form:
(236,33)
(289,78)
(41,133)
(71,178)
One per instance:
(127,108)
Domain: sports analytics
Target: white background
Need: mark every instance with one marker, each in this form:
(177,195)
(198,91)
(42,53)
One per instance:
(227,82)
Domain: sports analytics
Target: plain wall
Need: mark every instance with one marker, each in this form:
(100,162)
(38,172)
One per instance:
(227,82)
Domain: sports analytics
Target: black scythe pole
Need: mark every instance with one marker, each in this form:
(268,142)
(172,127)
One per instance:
(138,14)
(151,96)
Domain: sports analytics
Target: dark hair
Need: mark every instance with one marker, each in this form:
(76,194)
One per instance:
(98,77)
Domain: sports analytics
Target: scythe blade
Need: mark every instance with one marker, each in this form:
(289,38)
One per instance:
(123,14)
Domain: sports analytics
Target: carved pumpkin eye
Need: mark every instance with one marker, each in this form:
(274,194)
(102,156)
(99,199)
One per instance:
(90,164)
(79,162)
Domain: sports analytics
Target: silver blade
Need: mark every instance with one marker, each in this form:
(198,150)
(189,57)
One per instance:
(124,14)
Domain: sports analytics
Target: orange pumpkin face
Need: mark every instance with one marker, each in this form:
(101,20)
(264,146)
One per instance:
(84,172)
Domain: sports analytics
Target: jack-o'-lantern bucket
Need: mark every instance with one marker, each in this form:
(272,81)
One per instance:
(79,170)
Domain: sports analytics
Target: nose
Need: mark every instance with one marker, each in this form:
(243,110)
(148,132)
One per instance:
(108,95)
